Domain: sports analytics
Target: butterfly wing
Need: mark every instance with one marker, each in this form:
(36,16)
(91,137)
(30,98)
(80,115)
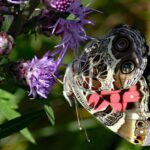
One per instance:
(107,81)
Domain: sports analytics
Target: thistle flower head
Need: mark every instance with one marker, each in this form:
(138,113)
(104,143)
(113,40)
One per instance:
(80,11)
(39,74)
(72,31)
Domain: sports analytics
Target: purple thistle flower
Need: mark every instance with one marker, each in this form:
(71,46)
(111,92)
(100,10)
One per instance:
(39,74)
(80,11)
(72,31)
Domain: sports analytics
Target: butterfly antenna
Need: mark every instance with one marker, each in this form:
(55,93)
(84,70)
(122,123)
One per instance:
(79,123)
(77,113)
(86,134)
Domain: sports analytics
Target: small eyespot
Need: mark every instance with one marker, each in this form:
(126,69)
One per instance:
(121,44)
(140,124)
(136,141)
(139,132)
(127,67)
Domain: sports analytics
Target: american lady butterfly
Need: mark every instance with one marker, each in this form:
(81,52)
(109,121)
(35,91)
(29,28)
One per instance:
(107,79)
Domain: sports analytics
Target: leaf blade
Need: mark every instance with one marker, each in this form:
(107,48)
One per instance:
(50,113)
(18,123)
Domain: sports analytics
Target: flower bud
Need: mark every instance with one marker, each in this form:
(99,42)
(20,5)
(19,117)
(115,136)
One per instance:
(58,5)
(17,1)
(6,43)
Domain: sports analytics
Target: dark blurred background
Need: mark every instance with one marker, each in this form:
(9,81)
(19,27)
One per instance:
(65,134)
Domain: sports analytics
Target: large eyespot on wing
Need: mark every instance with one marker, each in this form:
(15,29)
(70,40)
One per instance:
(121,44)
(118,59)
(127,67)
(125,74)
(128,45)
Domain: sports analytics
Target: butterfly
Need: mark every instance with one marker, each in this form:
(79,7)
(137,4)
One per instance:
(107,80)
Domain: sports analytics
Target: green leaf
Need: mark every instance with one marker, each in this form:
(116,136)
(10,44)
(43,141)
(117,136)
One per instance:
(50,114)
(6,24)
(86,2)
(26,133)
(10,114)
(7,110)
(19,123)
(72,17)
(7,99)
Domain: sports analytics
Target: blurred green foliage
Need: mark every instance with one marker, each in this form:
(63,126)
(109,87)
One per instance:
(65,134)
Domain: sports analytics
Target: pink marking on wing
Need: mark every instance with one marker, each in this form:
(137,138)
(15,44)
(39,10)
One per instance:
(133,88)
(116,106)
(103,105)
(131,97)
(93,98)
(114,98)
(124,106)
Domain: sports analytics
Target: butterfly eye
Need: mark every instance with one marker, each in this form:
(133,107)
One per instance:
(127,67)
(121,44)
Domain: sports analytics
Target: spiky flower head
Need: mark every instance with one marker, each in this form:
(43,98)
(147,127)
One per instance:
(39,75)
(72,30)
(69,28)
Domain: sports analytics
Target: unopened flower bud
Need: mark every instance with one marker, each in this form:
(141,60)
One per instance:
(6,43)
(58,5)
(17,1)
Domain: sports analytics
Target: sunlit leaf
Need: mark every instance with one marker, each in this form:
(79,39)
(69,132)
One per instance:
(7,110)
(72,17)
(26,133)
(50,114)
